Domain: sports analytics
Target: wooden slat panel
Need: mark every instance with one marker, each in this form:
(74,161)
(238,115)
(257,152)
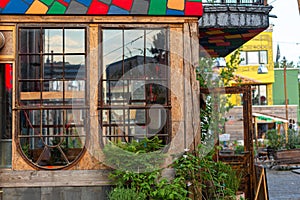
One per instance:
(51,95)
(13,178)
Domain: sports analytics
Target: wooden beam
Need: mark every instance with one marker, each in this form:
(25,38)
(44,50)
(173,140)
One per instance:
(29,178)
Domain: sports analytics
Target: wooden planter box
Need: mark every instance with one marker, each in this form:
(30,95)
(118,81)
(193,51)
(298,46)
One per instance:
(291,156)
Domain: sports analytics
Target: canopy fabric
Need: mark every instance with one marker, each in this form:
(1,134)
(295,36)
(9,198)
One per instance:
(269,118)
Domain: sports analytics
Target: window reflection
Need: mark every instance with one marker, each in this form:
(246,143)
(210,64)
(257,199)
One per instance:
(72,42)
(30,40)
(53,40)
(51,134)
(134,78)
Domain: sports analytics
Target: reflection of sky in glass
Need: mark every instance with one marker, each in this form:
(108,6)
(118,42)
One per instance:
(53,41)
(112,46)
(74,43)
(134,44)
(74,40)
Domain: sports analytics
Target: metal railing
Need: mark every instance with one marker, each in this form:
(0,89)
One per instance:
(235,2)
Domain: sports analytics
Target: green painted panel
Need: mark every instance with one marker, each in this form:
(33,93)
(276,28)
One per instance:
(47,2)
(57,8)
(157,7)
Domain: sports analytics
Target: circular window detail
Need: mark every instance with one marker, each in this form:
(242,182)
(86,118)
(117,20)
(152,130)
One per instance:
(51,139)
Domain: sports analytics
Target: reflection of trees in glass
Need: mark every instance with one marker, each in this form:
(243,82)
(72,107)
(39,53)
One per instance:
(138,79)
(159,49)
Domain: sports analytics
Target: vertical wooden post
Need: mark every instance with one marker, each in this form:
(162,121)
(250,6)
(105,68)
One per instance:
(286,100)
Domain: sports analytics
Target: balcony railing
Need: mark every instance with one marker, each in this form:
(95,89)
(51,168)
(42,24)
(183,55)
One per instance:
(235,2)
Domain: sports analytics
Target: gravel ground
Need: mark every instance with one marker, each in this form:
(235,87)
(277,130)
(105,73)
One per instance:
(283,184)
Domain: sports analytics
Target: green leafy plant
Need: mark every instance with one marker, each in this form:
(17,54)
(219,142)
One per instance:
(149,181)
(195,177)
(239,149)
(275,141)
(119,193)
(213,106)
(293,139)
(207,179)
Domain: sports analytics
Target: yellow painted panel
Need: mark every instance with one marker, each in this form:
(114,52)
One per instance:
(270,94)
(215,41)
(214,32)
(176,4)
(37,8)
(232,36)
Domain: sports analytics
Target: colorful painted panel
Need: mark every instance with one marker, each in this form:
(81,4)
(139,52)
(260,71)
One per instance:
(219,42)
(103,7)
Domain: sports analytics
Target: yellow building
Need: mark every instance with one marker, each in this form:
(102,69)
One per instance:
(257,68)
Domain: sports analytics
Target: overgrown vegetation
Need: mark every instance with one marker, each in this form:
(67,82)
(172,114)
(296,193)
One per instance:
(138,173)
(195,176)
(277,141)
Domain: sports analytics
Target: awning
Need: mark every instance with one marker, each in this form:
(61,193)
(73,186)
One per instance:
(269,118)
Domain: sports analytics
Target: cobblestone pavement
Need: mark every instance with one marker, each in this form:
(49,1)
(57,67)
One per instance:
(283,185)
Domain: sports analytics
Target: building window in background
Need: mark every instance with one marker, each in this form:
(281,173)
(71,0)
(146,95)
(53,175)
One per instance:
(254,57)
(259,95)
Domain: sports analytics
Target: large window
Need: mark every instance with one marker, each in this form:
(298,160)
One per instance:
(259,95)
(51,85)
(254,57)
(134,96)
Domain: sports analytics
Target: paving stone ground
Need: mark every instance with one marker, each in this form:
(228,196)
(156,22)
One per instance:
(283,185)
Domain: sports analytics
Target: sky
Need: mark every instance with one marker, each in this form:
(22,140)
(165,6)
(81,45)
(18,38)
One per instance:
(286,30)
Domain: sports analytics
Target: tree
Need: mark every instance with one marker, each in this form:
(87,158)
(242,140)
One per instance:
(214,107)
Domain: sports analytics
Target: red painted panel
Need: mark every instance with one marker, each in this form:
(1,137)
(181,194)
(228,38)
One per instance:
(97,7)
(3,3)
(8,76)
(123,4)
(193,8)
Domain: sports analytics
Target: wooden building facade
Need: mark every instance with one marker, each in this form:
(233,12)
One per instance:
(78,74)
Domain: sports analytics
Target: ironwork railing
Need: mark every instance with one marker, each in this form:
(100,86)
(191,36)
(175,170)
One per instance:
(235,2)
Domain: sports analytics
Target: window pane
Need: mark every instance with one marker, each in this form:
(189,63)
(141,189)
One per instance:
(243,58)
(156,92)
(30,67)
(137,91)
(75,67)
(252,57)
(53,68)
(60,140)
(30,41)
(53,41)
(156,45)
(74,41)
(263,57)
(112,48)
(29,86)
(133,43)
(133,67)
